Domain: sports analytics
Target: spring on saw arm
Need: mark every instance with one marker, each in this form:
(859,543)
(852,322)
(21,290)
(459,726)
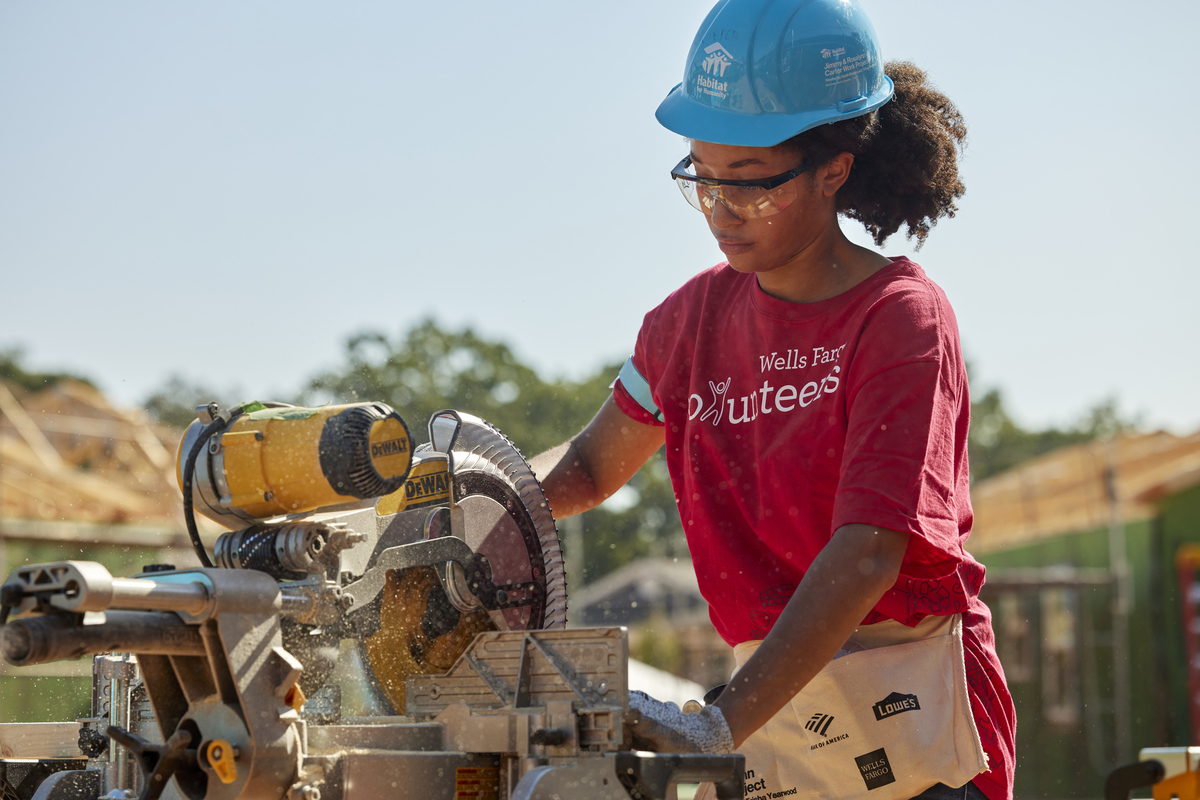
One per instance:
(285,552)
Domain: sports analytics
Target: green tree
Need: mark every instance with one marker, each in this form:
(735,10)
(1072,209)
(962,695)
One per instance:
(430,368)
(997,442)
(174,403)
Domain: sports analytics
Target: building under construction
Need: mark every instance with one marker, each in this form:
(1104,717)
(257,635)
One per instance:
(1092,562)
(83,480)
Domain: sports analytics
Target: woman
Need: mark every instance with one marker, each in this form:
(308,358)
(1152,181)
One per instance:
(812,398)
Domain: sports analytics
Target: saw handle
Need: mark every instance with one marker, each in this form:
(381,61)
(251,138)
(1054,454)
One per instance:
(158,761)
(56,637)
(1124,779)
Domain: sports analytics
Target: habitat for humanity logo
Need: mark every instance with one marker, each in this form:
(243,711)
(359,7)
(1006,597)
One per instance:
(716,60)
(895,703)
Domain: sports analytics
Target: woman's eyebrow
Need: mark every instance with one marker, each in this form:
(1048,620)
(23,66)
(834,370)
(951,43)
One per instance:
(745,162)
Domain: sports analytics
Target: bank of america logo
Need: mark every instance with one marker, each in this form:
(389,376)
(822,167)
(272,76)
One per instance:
(819,723)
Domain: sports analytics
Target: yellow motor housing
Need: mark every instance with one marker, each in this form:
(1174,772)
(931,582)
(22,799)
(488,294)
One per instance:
(289,460)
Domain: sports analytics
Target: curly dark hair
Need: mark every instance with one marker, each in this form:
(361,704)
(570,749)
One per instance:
(905,158)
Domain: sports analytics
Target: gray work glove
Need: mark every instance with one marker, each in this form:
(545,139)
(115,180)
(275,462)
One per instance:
(662,727)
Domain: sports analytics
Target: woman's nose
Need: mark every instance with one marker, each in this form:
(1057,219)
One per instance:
(722,217)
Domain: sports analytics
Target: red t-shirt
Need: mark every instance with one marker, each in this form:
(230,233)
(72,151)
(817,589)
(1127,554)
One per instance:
(785,421)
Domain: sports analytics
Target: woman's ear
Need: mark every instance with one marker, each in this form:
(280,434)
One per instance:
(831,176)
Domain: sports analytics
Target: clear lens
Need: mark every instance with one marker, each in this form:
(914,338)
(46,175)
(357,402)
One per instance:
(744,202)
(698,201)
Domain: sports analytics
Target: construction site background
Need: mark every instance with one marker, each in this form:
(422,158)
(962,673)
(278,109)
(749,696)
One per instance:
(1087,533)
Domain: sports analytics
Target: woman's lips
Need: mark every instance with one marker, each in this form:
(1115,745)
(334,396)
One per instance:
(733,247)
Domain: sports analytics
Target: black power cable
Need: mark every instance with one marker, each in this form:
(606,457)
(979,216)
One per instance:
(221,420)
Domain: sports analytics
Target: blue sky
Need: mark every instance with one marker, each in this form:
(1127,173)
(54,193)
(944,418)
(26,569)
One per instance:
(229,190)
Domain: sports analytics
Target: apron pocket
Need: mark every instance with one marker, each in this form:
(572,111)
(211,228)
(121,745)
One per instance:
(884,723)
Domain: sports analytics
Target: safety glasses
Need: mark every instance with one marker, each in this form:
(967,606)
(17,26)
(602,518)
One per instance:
(744,199)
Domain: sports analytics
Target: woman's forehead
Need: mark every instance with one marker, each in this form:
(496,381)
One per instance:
(728,156)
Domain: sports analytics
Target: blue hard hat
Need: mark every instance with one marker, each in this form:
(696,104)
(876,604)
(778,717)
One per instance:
(761,71)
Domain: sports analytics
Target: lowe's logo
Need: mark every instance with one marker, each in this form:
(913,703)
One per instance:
(716,60)
(895,703)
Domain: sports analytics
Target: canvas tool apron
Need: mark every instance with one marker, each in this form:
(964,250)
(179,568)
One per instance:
(886,719)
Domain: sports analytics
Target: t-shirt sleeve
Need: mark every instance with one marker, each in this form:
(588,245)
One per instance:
(632,408)
(905,408)
(633,389)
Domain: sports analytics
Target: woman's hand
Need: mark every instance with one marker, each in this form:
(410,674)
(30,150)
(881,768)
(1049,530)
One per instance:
(654,725)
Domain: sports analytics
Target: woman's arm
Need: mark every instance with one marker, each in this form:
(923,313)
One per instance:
(583,472)
(844,583)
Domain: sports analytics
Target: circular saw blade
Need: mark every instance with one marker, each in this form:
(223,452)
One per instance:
(507,520)
(421,632)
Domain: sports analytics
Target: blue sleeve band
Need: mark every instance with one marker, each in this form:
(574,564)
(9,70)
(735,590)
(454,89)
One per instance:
(638,388)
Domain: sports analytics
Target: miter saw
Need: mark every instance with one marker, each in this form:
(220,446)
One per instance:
(438,566)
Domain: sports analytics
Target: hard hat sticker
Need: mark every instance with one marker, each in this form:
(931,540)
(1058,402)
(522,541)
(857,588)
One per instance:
(716,60)
(845,69)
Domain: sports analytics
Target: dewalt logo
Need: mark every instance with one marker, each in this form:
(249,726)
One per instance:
(389,448)
(427,487)
(428,483)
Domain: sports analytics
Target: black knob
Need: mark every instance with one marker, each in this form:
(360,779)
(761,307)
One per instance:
(92,743)
(548,736)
